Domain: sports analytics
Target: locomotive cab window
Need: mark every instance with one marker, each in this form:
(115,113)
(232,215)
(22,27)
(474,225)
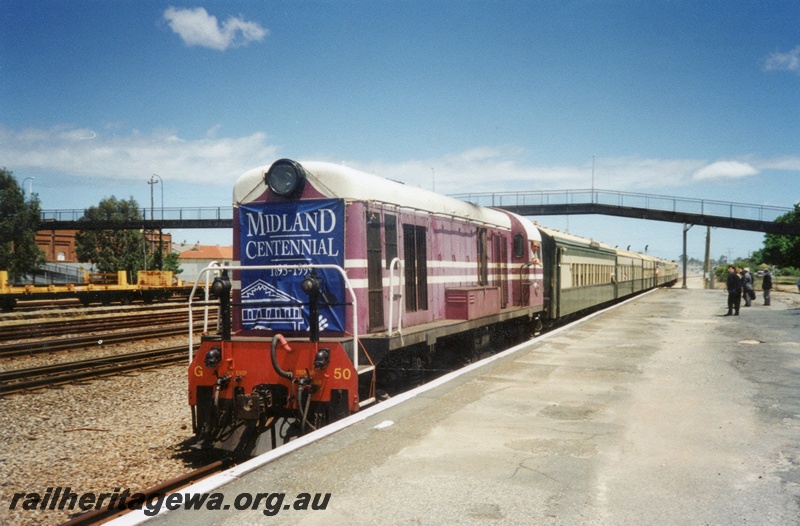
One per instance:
(519,246)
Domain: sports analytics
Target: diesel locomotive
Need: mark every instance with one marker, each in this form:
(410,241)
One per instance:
(346,285)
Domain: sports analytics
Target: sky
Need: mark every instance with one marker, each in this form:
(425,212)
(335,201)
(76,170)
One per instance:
(695,99)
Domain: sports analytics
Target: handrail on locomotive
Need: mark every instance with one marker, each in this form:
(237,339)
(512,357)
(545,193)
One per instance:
(216,267)
(396,263)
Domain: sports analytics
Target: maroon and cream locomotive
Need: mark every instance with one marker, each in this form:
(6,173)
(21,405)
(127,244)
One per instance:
(346,286)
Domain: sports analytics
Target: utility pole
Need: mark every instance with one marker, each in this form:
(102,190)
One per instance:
(157,260)
(709,276)
(685,260)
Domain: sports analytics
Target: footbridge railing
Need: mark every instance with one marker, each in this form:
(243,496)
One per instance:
(724,214)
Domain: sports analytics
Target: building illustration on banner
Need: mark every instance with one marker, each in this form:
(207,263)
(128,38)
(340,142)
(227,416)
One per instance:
(273,309)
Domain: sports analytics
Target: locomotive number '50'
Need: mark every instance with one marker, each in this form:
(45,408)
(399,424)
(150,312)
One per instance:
(342,373)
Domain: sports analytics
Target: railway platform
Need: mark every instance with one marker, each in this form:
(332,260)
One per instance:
(658,411)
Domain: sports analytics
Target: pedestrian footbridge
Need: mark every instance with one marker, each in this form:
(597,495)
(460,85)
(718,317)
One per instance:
(721,214)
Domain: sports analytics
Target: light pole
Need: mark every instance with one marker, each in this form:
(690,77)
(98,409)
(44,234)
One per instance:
(30,186)
(152,182)
(686,228)
(433,178)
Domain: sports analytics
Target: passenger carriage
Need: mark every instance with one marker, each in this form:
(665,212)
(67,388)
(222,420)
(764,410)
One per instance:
(579,273)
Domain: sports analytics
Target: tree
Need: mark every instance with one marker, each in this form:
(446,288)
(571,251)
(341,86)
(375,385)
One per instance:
(19,221)
(112,250)
(780,249)
(172,263)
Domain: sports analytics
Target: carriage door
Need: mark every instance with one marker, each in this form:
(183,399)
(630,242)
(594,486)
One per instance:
(374,271)
(501,268)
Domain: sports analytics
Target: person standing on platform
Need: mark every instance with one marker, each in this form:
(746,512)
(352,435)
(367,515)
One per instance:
(747,287)
(766,285)
(734,286)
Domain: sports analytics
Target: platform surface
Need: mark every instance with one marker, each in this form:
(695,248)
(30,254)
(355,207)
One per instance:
(659,411)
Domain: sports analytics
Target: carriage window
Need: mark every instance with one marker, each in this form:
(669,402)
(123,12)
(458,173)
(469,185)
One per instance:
(416,263)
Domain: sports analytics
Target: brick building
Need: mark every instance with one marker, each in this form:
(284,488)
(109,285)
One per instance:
(59,245)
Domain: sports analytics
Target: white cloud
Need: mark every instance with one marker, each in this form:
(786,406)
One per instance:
(725,170)
(506,169)
(782,163)
(789,61)
(84,152)
(197,28)
(214,160)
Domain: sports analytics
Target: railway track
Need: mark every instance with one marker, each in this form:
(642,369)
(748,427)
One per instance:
(27,306)
(171,486)
(28,348)
(23,380)
(23,331)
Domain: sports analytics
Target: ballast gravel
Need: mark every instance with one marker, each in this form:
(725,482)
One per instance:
(107,435)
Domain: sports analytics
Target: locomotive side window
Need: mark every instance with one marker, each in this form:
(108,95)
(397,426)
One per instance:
(416,263)
(483,270)
(519,245)
(390,233)
(374,270)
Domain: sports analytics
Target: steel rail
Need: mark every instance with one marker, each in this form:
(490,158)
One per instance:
(28,348)
(21,380)
(26,331)
(105,514)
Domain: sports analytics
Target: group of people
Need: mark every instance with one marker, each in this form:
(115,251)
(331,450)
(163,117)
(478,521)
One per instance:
(740,284)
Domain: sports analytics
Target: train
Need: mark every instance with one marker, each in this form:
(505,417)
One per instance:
(346,286)
(102,288)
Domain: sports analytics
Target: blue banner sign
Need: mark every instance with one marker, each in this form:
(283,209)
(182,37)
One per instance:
(291,233)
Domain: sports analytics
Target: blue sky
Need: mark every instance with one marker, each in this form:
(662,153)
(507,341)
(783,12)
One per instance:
(695,99)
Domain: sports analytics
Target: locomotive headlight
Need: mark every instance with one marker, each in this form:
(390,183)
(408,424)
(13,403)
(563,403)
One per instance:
(221,286)
(322,359)
(310,285)
(285,178)
(213,357)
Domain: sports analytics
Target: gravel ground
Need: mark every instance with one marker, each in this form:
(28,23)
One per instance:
(120,432)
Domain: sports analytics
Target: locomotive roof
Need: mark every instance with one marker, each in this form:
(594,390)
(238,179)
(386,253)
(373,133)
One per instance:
(342,182)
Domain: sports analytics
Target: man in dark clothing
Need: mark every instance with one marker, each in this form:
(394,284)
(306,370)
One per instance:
(766,284)
(734,286)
